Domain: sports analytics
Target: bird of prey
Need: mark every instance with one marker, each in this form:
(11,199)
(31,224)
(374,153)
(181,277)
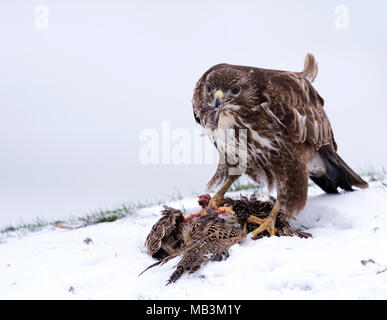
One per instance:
(288,134)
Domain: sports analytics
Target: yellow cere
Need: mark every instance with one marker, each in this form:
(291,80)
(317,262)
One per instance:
(218,94)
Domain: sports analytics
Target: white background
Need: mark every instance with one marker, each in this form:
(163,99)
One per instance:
(75,97)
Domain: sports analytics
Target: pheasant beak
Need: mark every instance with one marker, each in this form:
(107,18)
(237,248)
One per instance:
(218,98)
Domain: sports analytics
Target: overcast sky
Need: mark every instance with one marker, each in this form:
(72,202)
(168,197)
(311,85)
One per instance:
(77,90)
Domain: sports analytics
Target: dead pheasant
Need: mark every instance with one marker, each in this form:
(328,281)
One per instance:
(200,238)
(165,238)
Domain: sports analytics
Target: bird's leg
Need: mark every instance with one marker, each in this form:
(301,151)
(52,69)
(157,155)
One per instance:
(267,223)
(218,198)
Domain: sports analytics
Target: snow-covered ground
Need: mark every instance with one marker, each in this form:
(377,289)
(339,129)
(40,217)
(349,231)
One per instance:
(347,229)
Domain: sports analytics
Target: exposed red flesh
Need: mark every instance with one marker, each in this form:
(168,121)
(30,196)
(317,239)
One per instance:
(203,202)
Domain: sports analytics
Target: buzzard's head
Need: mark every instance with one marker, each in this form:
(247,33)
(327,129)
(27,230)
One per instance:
(224,89)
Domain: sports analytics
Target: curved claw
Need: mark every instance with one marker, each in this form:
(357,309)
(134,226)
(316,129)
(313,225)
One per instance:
(215,202)
(267,223)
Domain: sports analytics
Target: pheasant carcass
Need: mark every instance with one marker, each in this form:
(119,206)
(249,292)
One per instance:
(209,233)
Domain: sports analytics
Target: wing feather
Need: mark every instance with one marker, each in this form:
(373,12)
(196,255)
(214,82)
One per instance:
(300,109)
(162,229)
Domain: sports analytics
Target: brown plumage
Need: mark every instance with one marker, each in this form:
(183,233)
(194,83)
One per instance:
(165,236)
(201,238)
(289,136)
(206,238)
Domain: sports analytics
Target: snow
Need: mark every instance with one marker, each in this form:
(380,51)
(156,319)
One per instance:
(347,229)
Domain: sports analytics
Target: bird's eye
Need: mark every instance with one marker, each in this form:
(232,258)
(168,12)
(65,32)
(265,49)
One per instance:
(235,91)
(209,90)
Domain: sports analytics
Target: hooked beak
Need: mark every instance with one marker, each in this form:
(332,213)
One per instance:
(218,98)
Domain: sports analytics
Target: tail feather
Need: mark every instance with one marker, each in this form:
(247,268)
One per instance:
(310,68)
(337,173)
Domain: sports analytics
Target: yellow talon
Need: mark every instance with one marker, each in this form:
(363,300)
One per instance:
(216,201)
(227,209)
(267,223)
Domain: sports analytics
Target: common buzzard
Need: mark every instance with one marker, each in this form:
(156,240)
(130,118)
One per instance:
(288,135)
